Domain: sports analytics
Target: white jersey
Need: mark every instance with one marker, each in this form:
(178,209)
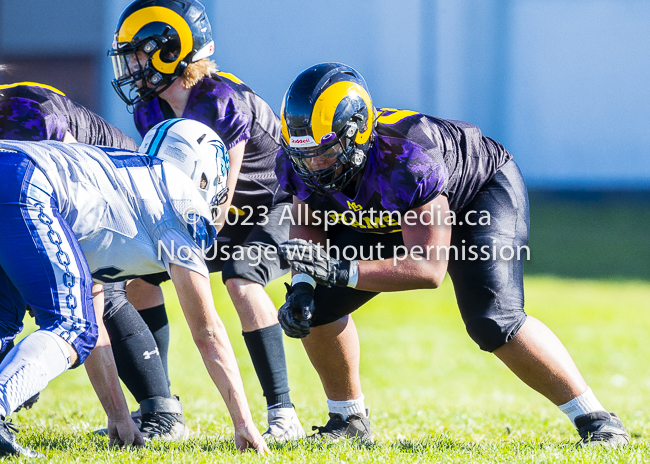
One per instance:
(132,214)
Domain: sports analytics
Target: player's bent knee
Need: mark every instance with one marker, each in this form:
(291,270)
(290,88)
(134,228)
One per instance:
(74,356)
(81,340)
(236,284)
(114,298)
(240,270)
(491,333)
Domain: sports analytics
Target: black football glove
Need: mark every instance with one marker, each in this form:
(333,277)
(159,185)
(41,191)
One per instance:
(311,259)
(295,314)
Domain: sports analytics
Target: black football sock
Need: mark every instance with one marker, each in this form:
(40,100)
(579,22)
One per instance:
(266,348)
(136,353)
(156,320)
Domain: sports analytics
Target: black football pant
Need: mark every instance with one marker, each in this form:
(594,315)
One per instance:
(486,268)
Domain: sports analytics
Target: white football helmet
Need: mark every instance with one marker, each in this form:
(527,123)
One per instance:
(196,150)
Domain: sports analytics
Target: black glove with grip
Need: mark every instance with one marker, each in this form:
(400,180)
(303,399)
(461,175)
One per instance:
(308,258)
(295,314)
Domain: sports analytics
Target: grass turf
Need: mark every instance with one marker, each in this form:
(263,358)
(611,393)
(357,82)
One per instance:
(434,397)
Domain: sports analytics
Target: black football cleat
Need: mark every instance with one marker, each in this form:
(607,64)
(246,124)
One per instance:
(355,427)
(8,444)
(601,428)
(162,418)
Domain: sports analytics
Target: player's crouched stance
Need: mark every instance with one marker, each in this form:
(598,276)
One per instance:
(73,213)
(342,155)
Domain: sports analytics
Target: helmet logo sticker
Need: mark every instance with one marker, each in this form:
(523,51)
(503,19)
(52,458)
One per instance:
(304,141)
(175,153)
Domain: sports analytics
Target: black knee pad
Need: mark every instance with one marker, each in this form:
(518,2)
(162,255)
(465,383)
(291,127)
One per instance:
(492,333)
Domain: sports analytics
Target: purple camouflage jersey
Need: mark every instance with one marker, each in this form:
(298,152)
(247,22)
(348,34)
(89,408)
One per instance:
(413,159)
(236,113)
(31,111)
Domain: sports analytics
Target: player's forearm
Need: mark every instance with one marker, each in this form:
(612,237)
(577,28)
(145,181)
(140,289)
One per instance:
(409,272)
(211,339)
(220,361)
(306,229)
(419,263)
(314,234)
(102,373)
(101,369)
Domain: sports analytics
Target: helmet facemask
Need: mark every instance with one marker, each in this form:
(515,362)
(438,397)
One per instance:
(136,78)
(331,166)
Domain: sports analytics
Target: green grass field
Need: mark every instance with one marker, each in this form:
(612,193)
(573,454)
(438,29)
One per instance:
(434,396)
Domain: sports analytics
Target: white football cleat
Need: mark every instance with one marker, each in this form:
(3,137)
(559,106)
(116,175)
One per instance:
(284,425)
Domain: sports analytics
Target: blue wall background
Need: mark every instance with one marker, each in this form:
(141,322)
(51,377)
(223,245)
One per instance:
(563,84)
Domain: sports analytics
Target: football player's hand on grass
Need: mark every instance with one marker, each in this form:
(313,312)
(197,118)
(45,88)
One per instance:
(311,259)
(295,314)
(248,437)
(124,432)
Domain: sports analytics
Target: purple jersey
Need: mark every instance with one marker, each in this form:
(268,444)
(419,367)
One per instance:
(237,114)
(32,112)
(413,159)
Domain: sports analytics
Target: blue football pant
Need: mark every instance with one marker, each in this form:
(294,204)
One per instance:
(41,262)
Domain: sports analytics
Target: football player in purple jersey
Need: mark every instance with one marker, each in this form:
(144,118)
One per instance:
(160,57)
(412,189)
(31,111)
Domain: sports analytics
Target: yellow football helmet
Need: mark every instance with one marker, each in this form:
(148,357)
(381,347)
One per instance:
(327,123)
(154,42)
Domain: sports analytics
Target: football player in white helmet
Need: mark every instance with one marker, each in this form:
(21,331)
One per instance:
(79,214)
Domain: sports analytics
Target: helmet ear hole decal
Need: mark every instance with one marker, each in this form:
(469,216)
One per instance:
(203,182)
(327,119)
(200,139)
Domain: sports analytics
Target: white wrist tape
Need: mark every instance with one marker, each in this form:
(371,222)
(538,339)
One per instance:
(298,278)
(354,273)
